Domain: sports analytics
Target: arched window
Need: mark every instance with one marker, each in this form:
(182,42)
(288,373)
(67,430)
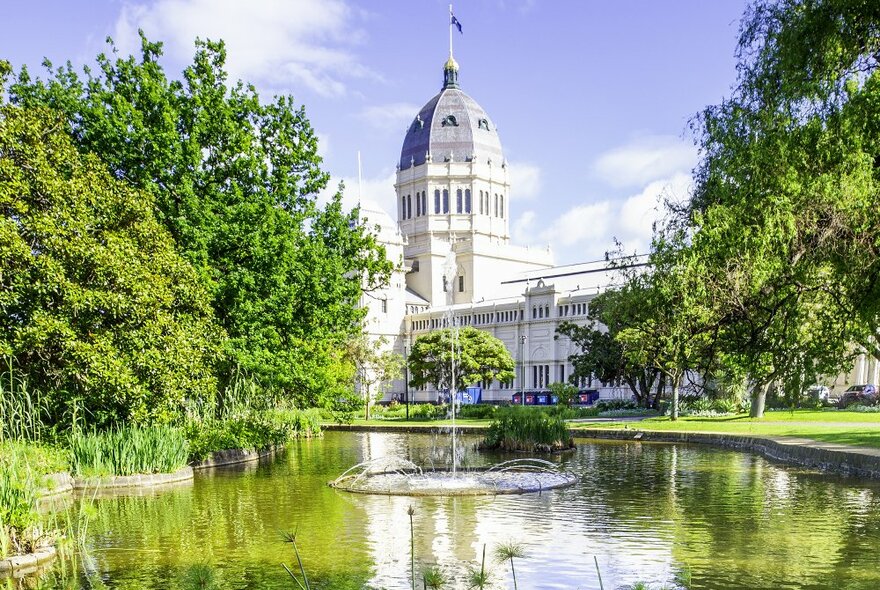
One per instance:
(459,206)
(481,202)
(496,204)
(409,206)
(501,201)
(467,200)
(437,201)
(403,207)
(445,201)
(424,203)
(418,204)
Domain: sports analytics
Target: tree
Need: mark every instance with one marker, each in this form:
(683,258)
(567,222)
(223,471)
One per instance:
(479,356)
(676,334)
(235,182)
(783,218)
(565,393)
(374,367)
(97,308)
(601,355)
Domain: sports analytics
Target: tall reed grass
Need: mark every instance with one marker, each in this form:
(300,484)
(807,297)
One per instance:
(128,450)
(23,411)
(18,502)
(520,429)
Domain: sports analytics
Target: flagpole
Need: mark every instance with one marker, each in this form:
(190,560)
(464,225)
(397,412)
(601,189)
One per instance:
(450,30)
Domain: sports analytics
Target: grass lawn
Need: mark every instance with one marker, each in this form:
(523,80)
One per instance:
(852,428)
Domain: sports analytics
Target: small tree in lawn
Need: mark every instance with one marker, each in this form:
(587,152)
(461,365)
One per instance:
(374,367)
(565,392)
(479,356)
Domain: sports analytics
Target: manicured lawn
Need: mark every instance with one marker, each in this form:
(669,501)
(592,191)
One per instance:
(851,428)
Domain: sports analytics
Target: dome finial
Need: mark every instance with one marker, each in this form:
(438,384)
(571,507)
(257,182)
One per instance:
(450,73)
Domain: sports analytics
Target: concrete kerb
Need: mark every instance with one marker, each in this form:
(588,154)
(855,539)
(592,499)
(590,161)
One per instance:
(231,457)
(20,565)
(141,480)
(828,457)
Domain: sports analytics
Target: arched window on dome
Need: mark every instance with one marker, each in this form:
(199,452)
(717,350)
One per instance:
(424,203)
(445,200)
(409,206)
(437,201)
(418,204)
(467,200)
(403,207)
(501,201)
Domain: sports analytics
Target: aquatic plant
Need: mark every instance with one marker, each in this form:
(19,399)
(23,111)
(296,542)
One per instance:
(507,552)
(412,549)
(304,584)
(520,429)
(434,578)
(128,450)
(22,409)
(479,578)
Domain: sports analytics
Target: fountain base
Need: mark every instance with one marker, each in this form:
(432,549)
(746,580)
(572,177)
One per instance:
(398,477)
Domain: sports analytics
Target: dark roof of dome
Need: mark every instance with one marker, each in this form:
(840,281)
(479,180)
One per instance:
(451,125)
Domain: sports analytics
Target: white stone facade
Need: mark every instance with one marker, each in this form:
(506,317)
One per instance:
(452,193)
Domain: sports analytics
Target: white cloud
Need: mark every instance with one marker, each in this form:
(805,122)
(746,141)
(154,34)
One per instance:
(586,232)
(525,180)
(645,160)
(394,117)
(523,227)
(270,42)
(378,189)
(323,144)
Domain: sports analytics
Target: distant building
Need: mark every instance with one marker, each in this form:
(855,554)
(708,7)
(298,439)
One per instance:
(453,196)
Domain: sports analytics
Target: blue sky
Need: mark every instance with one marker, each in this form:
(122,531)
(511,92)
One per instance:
(591,99)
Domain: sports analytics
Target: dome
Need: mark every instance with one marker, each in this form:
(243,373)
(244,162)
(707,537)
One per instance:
(451,126)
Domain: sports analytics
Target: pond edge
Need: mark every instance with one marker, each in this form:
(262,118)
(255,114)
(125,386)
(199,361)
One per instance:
(827,457)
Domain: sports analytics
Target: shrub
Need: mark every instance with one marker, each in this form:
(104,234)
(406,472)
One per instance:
(523,429)
(615,404)
(477,411)
(128,450)
(252,431)
(625,412)
(864,409)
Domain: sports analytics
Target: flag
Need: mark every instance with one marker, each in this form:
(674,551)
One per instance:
(455,22)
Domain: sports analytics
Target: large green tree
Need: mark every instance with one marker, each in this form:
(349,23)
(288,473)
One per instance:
(479,356)
(784,218)
(601,355)
(97,308)
(235,180)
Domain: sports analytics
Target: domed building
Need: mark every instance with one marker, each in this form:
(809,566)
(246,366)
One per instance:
(453,207)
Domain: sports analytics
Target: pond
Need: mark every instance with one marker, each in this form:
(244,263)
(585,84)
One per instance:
(646,511)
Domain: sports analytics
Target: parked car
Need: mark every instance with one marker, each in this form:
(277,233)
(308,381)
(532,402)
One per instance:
(818,393)
(863,395)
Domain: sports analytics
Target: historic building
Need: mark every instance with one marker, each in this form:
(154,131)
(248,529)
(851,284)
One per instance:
(453,207)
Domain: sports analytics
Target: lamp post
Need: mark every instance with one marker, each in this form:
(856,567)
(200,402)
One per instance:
(406,381)
(522,369)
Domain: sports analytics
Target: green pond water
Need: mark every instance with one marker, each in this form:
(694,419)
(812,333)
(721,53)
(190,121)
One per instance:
(646,511)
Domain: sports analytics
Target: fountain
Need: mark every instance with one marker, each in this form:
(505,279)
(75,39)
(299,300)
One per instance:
(395,476)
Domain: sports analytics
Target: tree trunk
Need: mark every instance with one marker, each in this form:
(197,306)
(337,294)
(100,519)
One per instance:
(661,387)
(759,400)
(673,414)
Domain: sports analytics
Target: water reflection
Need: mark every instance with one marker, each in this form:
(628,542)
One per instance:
(645,510)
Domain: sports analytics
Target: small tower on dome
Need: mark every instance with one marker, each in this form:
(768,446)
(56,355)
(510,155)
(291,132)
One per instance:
(450,73)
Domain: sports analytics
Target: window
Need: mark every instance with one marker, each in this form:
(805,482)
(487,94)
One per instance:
(501,201)
(403,207)
(562,373)
(496,204)
(534,312)
(444,283)
(540,312)
(437,201)
(481,202)
(467,200)
(461,284)
(424,203)
(384,306)
(459,205)
(409,206)
(547,311)
(418,205)
(445,201)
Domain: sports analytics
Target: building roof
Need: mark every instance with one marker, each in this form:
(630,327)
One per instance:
(451,127)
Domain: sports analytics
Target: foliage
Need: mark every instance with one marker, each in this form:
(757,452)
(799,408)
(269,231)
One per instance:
(18,501)
(375,367)
(629,412)
(235,182)
(783,215)
(602,355)
(251,430)
(519,429)
(23,411)
(479,356)
(127,451)
(477,411)
(615,404)
(96,305)
(565,393)
(507,552)
(864,409)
